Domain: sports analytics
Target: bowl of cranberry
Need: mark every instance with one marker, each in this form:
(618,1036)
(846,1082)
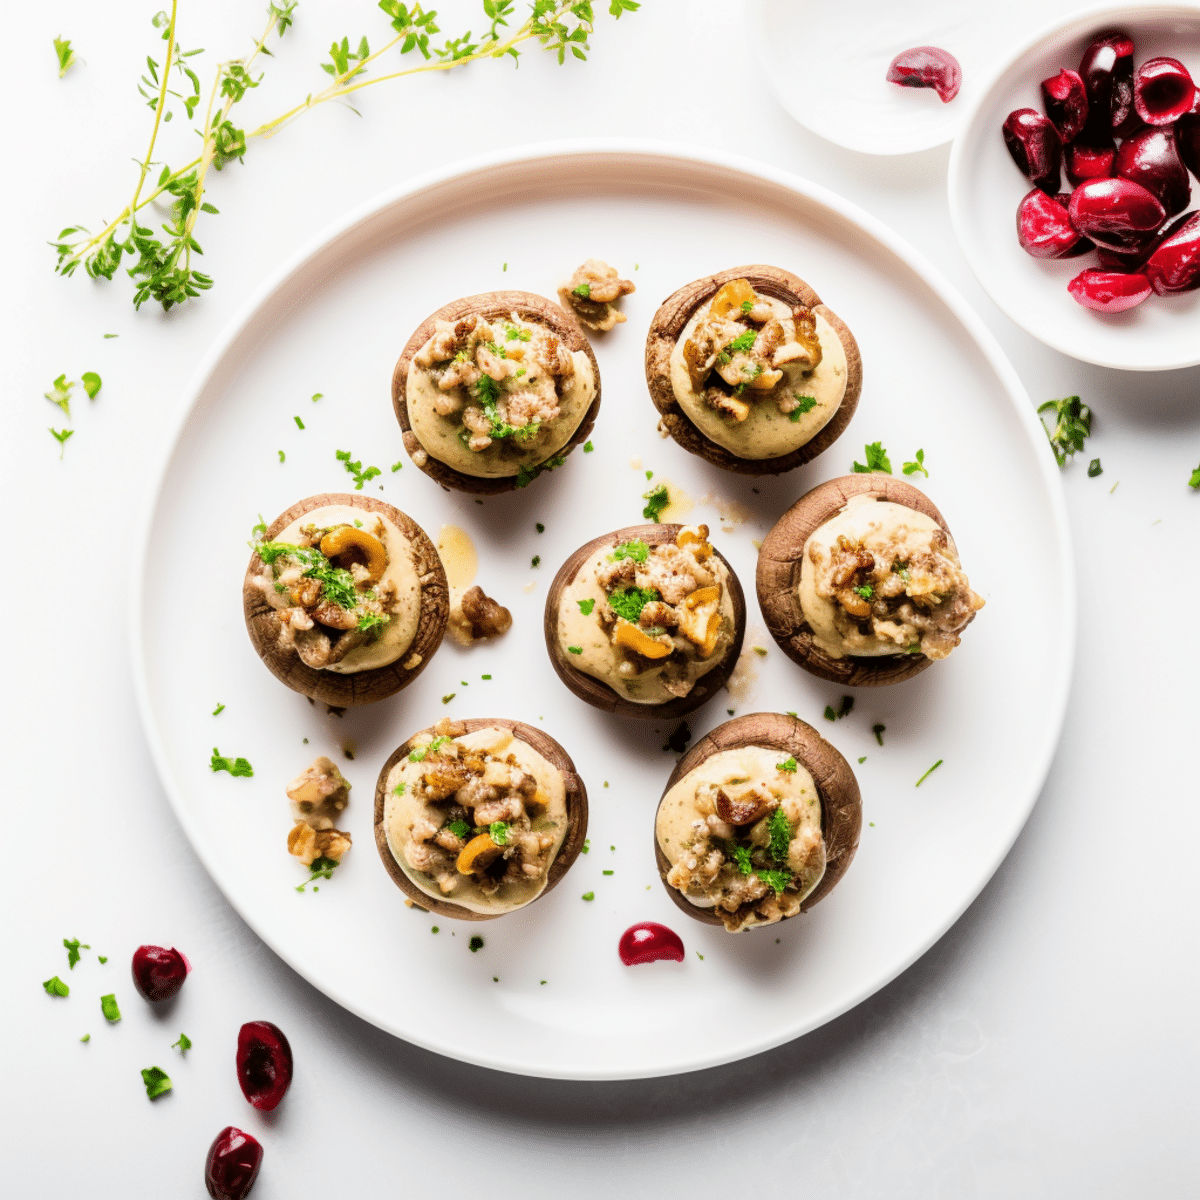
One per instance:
(1075,187)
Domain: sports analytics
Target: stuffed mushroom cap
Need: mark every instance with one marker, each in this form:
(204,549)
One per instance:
(360,668)
(803,409)
(474,434)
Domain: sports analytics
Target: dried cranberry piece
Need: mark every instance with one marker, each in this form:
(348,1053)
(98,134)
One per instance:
(1174,266)
(1115,212)
(264,1063)
(647,942)
(1163,91)
(158,973)
(927,67)
(1107,72)
(1043,227)
(1089,162)
(1065,100)
(232,1164)
(1108,291)
(1151,158)
(1035,147)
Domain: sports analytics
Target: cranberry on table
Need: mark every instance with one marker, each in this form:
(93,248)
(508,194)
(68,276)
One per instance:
(232,1164)
(1174,266)
(1035,147)
(1109,291)
(648,942)
(1151,158)
(264,1063)
(1089,162)
(1044,228)
(1163,91)
(1107,72)
(927,67)
(1065,100)
(158,973)
(1115,212)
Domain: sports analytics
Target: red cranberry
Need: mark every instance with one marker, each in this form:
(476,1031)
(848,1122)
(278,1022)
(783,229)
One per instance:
(232,1164)
(1187,137)
(927,67)
(1123,262)
(158,973)
(1151,158)
(1107,72)
(1163,91)
(1065,100)
(1114,212)
(1175,264)
(1109,291)
(1035,147)
(1043,227)
(1089,162)
(264,1063)
(648,941)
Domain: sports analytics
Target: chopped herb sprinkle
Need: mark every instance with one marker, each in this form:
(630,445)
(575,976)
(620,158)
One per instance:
(55,987)
(929,772)
(108,1006)
(157,1082)
(589,896)
(475,944)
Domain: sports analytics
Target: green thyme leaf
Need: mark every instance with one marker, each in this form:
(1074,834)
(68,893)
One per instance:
(1072,425)
(184,1044)
(236,767)
(911,468)
(66,56)
(877,460)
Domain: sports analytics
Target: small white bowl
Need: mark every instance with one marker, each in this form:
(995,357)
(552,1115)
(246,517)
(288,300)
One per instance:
(985,188)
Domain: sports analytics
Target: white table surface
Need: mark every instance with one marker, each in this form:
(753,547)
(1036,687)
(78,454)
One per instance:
(1046,1047)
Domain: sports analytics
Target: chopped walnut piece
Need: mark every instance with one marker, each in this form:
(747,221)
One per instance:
(308,844)
(318,794)
(474,615)
(592,294)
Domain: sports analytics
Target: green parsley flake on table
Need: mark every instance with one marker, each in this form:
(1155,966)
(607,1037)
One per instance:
(236,767)
(108,1006)
(55,987)
(157,1082)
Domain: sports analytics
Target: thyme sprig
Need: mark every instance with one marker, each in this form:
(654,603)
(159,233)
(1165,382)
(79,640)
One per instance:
(162,266)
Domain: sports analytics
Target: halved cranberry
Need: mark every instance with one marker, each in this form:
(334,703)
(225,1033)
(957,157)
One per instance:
(1123,262)
(927,67)
(1109,291)
(264,1063)
(1035,147)
(1089,162)
(1109,211)
(1043,227)
(647,942)
(232,1164)
(1065,100)
(1107,72)
(1163,91)
(1151,158)
(1174,266)
(158,973)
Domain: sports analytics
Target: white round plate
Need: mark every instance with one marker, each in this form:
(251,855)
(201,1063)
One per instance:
(827,63)
(985,186)
(547,994)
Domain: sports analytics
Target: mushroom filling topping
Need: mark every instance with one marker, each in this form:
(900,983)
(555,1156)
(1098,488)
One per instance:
(881,578)
(742,353)
(482,824)
(592,294)
(662,612)
(329,590)
(743,831)
(499,381)
(318,795)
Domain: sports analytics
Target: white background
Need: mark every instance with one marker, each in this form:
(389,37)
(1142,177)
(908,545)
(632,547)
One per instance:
(1045,1047)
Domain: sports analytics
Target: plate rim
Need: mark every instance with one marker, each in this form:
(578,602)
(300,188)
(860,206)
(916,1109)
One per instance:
(957,172)
(658,151)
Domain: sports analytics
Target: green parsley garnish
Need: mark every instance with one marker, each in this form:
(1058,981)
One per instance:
(741,857)
(485,677)
(607,872)
(586,606)
(747,305)
(87,1037)
(475,944)
(299,423)
(587,845)
(589,896)
(74,945)
(108,1006)
(498,832)
(317,396)
(447,698)
(526,475)
(806,405)
(843,710)
(91,384)
(779,829)
(878,731)
(911,468)
(157,1082)
(102,958)
(336,582)
(319,868)
(588,447)
(1094,468)
(460,829)
(929,772)
(60,393)
(184,1043)
(66,58)
(235,766)
(866,591)
(282,456)
(574,649)
(629,602)
(539,527)
(777,880)
(1072,424)
(60,436)
(55,987)
(637,550)
(656,500)
(789,764)
(536,561)
(743,342)
(259,531)
(396,466)
(356,469)
(400,789)
(678,738)
(216,712)
(877,460)
(1193,482)
(862,760)
(372,623)
(584,290)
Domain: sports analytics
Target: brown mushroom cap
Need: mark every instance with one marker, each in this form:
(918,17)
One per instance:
(359,687)
(568,852)
(837,788)
(492,306)
(778,580)
(599,694)
(669,322)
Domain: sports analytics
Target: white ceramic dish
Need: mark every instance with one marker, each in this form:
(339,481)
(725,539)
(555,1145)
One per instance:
(827,64)
(985,188)
(333,322)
